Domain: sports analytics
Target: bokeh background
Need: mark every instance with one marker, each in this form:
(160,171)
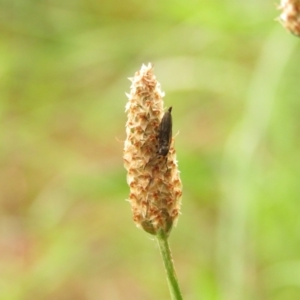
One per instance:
(231,74)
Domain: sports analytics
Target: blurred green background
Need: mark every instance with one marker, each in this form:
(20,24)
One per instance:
(231,74)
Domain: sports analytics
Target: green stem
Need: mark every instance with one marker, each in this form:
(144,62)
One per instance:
(162,239)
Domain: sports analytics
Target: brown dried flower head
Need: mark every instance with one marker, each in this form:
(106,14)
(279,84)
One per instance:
(155,185)
(290,16)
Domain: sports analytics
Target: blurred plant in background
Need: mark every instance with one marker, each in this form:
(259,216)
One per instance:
(290,15)
(65,227)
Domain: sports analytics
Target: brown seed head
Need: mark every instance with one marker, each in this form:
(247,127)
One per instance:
(155,185)
(290,15)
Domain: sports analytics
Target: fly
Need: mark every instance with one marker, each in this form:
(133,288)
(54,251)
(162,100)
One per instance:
(165,133)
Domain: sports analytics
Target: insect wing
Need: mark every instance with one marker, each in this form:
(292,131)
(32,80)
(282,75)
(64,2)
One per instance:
(165,133)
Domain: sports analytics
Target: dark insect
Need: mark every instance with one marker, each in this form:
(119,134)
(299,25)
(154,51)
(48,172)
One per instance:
(165,133)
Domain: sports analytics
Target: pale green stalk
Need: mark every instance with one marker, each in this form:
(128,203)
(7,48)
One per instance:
(165,251)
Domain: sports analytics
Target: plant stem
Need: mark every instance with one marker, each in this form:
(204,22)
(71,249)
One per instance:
(162,239)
